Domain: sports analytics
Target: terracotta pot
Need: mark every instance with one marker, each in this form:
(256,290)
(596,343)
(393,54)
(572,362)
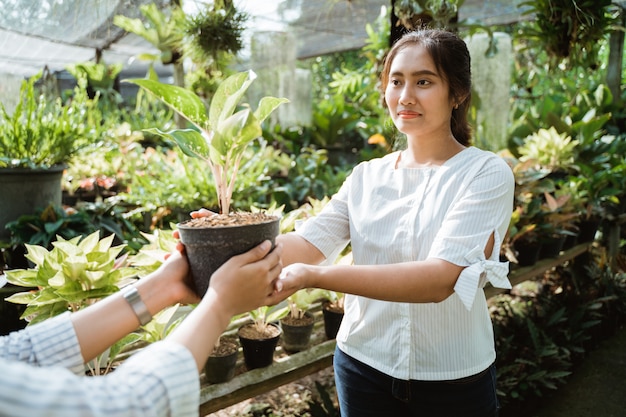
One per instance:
(297,332)
(207,248)
(258,350)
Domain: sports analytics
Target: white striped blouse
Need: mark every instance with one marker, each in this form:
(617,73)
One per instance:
(392,215)
(42,374)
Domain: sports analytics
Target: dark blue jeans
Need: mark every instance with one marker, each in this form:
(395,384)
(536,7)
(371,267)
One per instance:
(363,391)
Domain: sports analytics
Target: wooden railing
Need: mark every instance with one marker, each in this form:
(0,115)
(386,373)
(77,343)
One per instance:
(289,368)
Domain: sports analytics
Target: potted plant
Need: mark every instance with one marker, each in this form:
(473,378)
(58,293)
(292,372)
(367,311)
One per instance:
(297,325)
(74,274)
(219,137)
(36,142)
(222,363)
(332,311)
(259,338)
(550,150)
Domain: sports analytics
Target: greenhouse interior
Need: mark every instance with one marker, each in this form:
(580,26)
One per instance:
(126,125)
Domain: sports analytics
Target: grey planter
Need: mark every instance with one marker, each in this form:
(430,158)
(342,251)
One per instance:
(208,248)
(23,190)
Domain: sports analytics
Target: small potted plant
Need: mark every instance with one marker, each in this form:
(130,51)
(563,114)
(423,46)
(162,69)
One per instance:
(297,325)
(37,141)
(222,362)
(259,338)
(219,137)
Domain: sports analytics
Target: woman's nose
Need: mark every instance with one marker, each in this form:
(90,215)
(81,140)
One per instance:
(407,96)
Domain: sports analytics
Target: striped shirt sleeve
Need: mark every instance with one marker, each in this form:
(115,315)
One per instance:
(161,380)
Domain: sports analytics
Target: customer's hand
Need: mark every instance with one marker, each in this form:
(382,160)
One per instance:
(247,281)
(175,270)
(195,215)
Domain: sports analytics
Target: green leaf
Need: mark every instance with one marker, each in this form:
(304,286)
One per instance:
(36,254)
(266,106)
(228,95)
(22,297)
(181,100)
(242,127)
(190,141)
(22,277)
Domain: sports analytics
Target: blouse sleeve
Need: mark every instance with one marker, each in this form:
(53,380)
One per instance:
(161,380)
(49,343)
(483,207)
(329,230)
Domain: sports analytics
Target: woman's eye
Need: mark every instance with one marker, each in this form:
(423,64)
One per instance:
(394,82)
(423,82)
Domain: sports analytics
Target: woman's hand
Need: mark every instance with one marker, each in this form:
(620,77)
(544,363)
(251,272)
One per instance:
(294,277)
(195,215)
(247,281)
(175,270)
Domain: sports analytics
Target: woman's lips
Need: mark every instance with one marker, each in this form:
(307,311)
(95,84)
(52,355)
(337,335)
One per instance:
(408,114)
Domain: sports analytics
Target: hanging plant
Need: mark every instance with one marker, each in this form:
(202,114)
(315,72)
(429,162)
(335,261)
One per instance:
(569,29)
(415,14)
(213,30)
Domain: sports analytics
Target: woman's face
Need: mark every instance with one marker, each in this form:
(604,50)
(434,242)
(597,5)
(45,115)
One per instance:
(416,95)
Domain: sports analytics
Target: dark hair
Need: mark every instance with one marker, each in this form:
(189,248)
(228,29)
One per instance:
(452,60)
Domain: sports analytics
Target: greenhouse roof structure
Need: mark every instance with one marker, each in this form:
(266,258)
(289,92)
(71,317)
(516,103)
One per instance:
(54,33)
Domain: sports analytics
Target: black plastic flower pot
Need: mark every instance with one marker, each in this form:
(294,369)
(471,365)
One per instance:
(297,333)
(258,351)
(220,366)
(527,252)
(208,247)
(332,321)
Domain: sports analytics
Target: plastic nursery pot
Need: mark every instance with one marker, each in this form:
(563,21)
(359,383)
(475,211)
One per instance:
(297,332)
(28,189)
(210,244)
(587,230)
(551,246)
(527,252)
(332,321)
(220,366)
(258,350)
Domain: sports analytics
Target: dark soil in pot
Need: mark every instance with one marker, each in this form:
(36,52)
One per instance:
(211,241)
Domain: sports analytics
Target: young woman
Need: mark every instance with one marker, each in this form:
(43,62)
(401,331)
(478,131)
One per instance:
(425,225)
(41,366)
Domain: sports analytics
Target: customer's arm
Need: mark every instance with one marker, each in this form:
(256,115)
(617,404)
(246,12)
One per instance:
(160,380)
(241,284)
(108,320)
